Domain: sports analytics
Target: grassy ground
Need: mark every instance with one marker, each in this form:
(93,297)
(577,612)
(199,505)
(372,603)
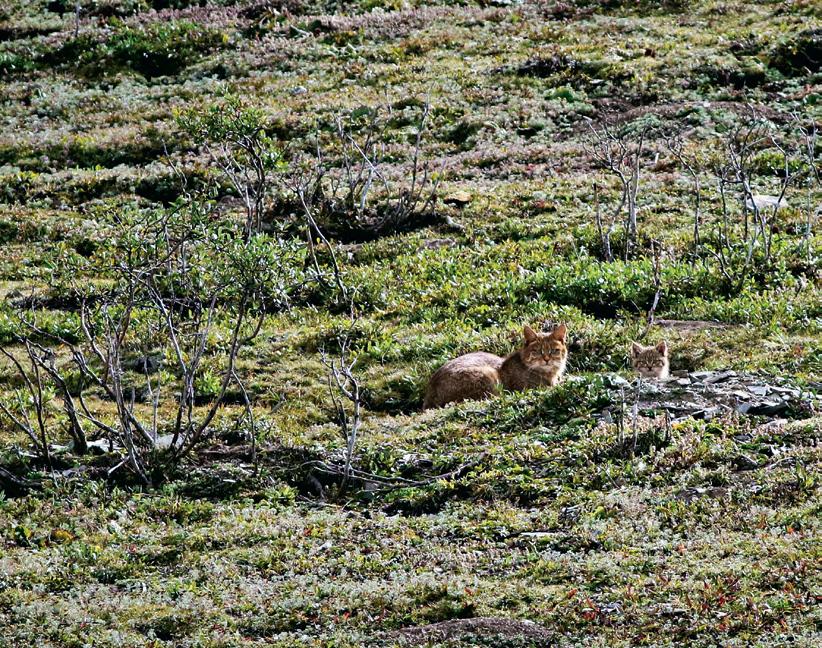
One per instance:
(704,534)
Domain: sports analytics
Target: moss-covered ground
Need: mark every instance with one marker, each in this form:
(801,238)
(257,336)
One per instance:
(700,533)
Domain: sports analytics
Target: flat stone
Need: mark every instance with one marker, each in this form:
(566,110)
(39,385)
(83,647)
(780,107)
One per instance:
(101,446)
(436,244)
(164,441)
(720,392)
(498,631)
(458,198)
(770,426)
(618,381)
(768,408)
(719,377)
(710,413)
(696,375)
(611,608)
(763,201)
(668,610)
(75,471)
(744,462)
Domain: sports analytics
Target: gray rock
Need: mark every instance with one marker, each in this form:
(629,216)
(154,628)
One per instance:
(710,412)
(613,608)
(164,441)
(437,243)
(768,408)
(147,364)
(770,426)
(744,462)
(696,376)
(717,377)
(710,394)
(617,380)
(102,446)
(763,201)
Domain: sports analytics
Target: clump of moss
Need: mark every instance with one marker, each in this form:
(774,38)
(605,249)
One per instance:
(154,50)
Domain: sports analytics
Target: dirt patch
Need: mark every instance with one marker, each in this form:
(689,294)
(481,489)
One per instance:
(690,326)
(525,633)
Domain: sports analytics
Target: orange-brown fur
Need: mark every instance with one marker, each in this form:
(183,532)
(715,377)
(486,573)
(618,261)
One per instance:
(651,361)
(541,361)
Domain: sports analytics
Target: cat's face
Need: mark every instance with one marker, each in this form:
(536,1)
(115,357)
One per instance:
(544,349)
(650,362)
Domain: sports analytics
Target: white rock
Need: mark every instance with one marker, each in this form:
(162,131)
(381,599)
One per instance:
(763,201)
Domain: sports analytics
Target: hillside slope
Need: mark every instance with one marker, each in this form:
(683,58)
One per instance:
(604,518)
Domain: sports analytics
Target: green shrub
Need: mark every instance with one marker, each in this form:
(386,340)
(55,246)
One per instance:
(157,49)
(799,53)
(162,49)
(605,289)
(8,231)
(13,62)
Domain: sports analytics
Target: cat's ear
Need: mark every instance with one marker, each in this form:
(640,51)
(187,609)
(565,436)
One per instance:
(635,349)
(662,347)
(559,332)
(530,336)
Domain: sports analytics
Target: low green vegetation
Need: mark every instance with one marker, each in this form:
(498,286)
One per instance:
(219,205)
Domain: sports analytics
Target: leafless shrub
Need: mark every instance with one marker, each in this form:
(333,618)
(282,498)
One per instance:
(812,176)
(175,277)
(234,136)
(29,402)
(605,232)
(737,173)
(348,187)
(618,151)
(346,396)
(657,255)
(689,162)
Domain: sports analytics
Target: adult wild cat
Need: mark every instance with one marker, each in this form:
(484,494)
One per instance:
(651,361)
(479,375)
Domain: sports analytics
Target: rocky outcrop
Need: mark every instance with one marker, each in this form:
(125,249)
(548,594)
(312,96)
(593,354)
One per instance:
(708,394)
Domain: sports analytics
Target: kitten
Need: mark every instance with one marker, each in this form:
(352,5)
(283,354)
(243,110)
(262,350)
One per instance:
(651,361)
(541,361)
